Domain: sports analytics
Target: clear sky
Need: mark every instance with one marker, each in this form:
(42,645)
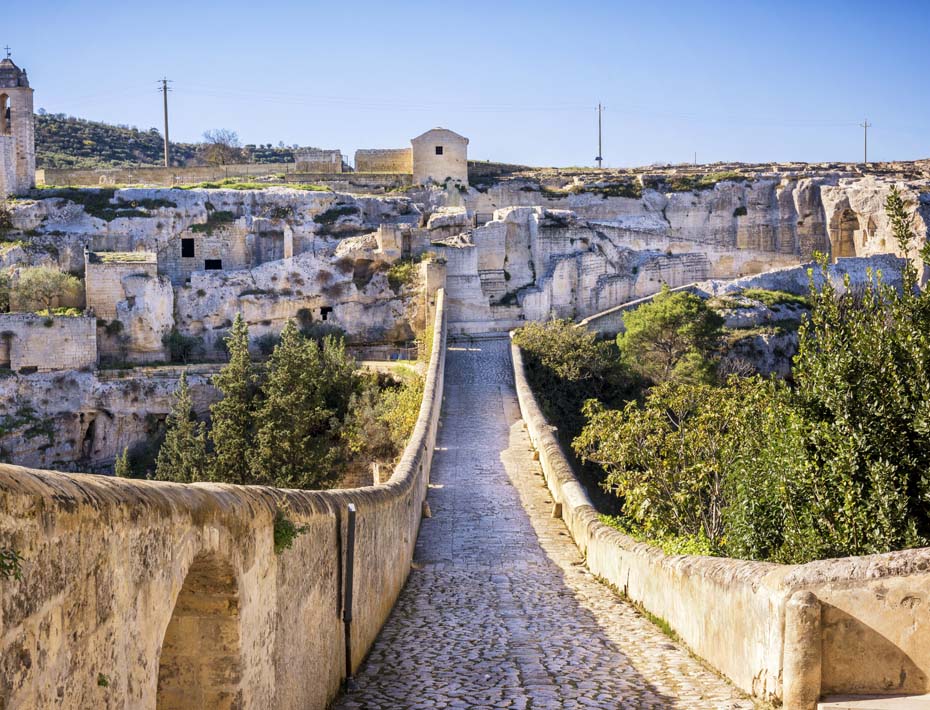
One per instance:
(748,80)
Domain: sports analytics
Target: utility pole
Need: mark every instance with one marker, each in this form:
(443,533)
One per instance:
(600,153)
(865,148)
(164,91)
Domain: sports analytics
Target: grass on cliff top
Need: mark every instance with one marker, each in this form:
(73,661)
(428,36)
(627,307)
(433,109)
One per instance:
(238,184)
(776,298)
(99,202)
(697,183)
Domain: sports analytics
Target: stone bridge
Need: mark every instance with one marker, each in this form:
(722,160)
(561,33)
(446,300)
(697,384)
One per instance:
(156,595)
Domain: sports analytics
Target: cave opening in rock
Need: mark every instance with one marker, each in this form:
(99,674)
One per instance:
(844,227)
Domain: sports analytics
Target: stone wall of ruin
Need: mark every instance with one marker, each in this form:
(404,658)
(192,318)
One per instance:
(384,160)
(103,284)
(791,632)
(7,166)
(56,343)
(158,176)
(113,567)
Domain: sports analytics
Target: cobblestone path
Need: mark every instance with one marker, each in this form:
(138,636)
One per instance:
(499,611)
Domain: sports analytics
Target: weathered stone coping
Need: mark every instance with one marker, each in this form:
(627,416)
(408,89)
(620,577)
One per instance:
(104,560)
(779,632)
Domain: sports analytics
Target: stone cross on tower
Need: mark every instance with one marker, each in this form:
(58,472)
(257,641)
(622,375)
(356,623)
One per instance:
(7,48)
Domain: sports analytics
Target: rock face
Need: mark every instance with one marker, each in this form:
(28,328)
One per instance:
(79,421)
(521,249)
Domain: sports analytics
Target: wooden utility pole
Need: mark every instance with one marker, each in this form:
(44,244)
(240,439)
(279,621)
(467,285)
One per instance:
(600,153)
(865,148)
(164,91)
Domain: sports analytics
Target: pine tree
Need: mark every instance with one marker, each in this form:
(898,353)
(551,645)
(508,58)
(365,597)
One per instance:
(183,455)
(298,443)
(233,431)
(122,469)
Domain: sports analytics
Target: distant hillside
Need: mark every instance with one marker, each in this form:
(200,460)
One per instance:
(67,142)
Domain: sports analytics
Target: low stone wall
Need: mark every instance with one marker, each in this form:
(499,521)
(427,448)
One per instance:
(781,632)
(159,176)
(610,322)
(141,594)
(56,343)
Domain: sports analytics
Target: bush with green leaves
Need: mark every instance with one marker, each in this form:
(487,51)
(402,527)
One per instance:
(835,464)
(673,337)
(566,366)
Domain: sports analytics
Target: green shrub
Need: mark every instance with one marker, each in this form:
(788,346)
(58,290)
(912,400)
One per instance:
(776,298)
(10,564)
(285,531)
(405,272)
(183,348)
(674,336)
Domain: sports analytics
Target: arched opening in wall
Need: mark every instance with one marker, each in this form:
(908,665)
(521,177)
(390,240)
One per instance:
(843,228)
(6,118)
(200,666)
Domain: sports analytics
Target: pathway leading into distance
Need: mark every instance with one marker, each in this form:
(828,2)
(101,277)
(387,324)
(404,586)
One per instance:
(499,610)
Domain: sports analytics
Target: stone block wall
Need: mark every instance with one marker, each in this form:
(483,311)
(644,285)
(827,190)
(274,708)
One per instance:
(159,176)
(7,166)
(319,161)
(103,278)
(56,343)
(109,567)
(787,633)
(384,160)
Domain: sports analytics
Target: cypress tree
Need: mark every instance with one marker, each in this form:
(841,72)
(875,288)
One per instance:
(183,455)
(297,442)
(233,430)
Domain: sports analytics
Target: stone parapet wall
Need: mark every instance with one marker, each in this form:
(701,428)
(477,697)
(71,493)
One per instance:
(47,343)
(105,560)
(781,632)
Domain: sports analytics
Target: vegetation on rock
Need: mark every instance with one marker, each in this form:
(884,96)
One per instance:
(835,463)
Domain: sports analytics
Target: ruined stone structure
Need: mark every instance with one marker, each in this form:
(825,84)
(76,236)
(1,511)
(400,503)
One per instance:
(440,155)
(384,160)
(30,343)
(139,594)
(318,160)
(17,130)
(103,278)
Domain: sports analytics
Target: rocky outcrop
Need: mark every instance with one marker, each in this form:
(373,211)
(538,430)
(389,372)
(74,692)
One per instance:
(77,421)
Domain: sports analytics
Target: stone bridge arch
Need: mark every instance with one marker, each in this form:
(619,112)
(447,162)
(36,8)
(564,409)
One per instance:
(200,663)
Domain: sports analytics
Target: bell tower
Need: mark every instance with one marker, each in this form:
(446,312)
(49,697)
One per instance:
(17,130)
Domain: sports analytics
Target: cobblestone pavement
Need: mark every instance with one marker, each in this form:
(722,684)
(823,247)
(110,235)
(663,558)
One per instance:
(499,611)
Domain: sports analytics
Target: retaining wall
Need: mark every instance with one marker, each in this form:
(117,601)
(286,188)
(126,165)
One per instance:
(855,625)
(47,343)
(121,578)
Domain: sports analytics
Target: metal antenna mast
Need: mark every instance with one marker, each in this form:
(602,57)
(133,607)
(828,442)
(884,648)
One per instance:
(865,148)
(164,90)
(600,153)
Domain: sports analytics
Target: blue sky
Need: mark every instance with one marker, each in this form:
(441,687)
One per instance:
(751,81)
